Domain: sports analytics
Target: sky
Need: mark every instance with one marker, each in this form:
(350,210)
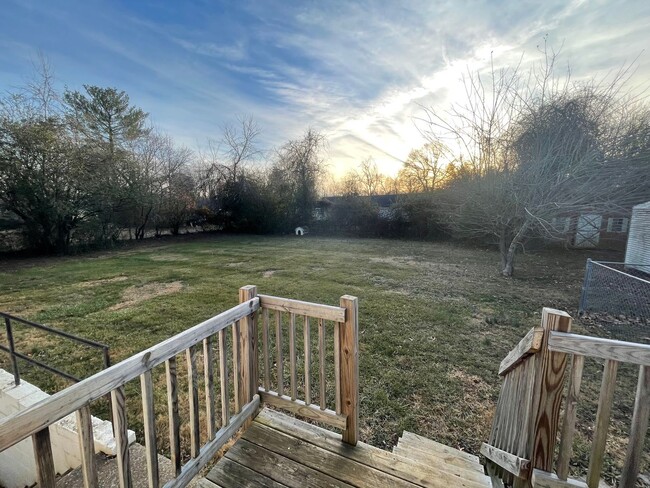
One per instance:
(361,72)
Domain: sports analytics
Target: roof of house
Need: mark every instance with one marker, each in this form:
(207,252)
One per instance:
(380,200)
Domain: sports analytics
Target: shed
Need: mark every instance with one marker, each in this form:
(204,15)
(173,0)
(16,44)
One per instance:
(637,253)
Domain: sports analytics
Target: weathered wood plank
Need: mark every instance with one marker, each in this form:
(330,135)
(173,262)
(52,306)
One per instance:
(531,343)
(637,430)
(315,310)
(87,446)
(322,377)
(543,479)
(349,355)
(208,373)
(44,459)
(419,442)
(602,423)
(307,341)
(149,421)
(519,467)
(29,421)
(278,346)
(299,407)
(279,468)
(450,462)
(193,398)
(210,449)
(223,378)
(429,476)
(229,474)
(173,415)
(596,347)
(118,401)
(265,340)
(307,454)
(570,413)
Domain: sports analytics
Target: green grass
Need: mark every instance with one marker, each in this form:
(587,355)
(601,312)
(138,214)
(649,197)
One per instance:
(435,319)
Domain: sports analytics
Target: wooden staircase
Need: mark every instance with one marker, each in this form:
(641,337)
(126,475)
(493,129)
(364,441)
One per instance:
(278,450)
(442,462)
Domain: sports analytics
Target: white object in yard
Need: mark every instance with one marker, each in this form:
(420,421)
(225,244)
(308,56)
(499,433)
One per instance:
(301,231)
(637,253)
(17,465)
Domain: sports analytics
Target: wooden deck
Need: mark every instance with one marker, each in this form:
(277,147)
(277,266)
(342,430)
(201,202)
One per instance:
(278,450)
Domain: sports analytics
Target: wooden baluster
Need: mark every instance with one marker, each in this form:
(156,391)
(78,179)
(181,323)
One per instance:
(278,346)
(193,395)
(529,392)
(223,377)
(321,364)
(174,417)
(44,459)
(149,420)
(236,365)
(87,446)
(570,413)
(118,401)
(602,423)
(208,370)
(349,344)
(248,343)
(267,358)
(307,333)
(337,367)
(292,355)
(637,430)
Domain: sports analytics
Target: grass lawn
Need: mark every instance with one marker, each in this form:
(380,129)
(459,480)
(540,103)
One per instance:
(435,319)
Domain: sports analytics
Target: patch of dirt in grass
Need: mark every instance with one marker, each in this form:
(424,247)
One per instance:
(103,281)
(269,273)
(136,294)
(169,257)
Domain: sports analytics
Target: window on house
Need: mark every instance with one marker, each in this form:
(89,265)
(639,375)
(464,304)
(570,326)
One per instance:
(561,224)
(617,224)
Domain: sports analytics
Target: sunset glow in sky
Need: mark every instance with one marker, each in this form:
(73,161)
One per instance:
(359,71)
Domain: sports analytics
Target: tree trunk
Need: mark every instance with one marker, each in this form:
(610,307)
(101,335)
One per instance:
(508,249)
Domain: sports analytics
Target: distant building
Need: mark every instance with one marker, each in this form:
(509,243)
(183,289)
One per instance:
(592,230)
(384,204)
(637,253)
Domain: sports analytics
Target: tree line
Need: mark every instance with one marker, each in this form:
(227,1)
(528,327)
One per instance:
(525,147)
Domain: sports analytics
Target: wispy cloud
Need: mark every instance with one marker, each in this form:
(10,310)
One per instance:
(359,71)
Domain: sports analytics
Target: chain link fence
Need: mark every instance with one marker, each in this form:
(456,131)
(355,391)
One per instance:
(615,301)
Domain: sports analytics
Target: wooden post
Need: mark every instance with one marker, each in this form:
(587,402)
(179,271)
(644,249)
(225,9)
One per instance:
(638,430)
(547,396)
(248,381)
(87,446)
(349,370)
(44,458)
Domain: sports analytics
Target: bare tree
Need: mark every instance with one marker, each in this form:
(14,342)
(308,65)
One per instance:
(536,146)
(370,177)
(424,169)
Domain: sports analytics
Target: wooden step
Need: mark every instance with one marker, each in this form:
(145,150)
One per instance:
(441,455)
(427,445)
(387,462)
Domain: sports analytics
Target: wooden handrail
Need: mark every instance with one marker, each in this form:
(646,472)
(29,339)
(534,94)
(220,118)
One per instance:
(314,310)
(596,347)
(530,344)
(17,427)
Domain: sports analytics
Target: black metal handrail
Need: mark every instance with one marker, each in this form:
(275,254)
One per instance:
(15,354)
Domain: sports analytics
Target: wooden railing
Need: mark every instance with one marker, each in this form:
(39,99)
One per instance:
(212,335)
(344,334)
(521,448)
